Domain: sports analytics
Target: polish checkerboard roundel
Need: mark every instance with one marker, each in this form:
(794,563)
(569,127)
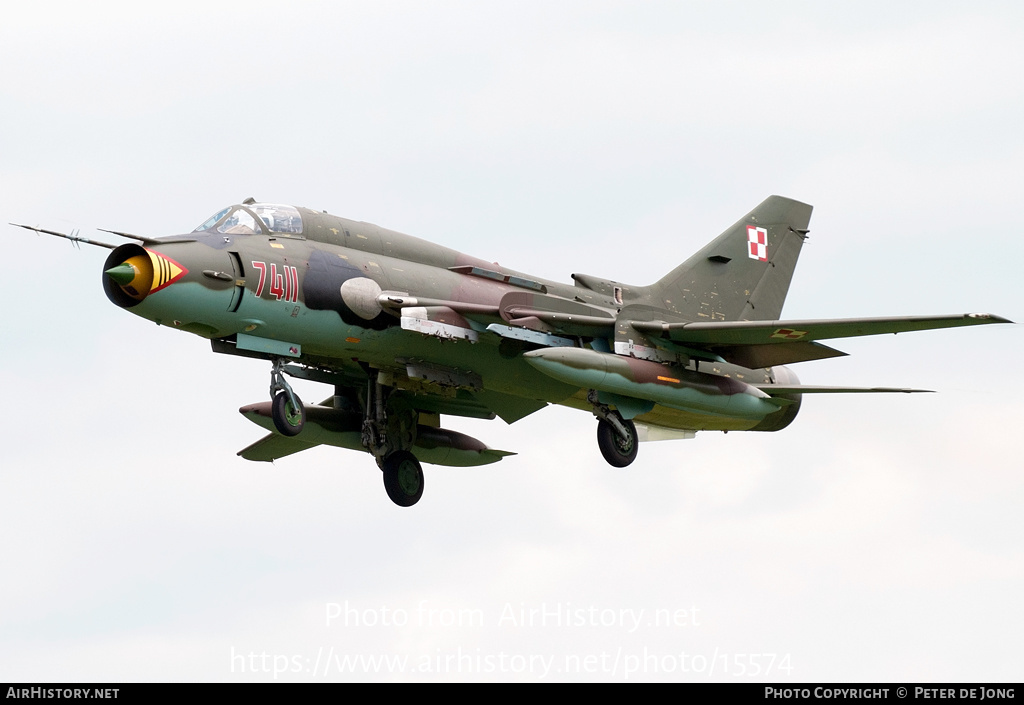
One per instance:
(757,243)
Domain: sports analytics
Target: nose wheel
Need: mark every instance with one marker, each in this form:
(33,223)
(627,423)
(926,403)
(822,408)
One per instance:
(287,412)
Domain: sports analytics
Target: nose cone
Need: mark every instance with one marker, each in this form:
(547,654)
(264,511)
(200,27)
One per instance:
(123,274)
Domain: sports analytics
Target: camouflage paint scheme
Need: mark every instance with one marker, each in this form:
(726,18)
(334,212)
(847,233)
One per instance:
(407,330)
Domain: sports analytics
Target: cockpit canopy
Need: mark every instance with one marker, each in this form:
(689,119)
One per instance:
(255,219)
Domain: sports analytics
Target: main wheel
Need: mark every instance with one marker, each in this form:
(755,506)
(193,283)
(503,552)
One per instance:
(616,450)
(403,478)
(288,419)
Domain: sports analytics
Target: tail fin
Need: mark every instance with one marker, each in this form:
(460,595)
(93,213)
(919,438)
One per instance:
(744,273)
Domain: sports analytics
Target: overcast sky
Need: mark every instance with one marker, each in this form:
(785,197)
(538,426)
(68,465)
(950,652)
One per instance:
(876,539)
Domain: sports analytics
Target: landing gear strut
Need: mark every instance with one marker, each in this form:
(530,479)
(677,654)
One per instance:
(287,411)
(616,436)
(389,431)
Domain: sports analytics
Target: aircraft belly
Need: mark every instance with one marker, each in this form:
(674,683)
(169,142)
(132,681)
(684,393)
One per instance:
(325,338)
(504,377)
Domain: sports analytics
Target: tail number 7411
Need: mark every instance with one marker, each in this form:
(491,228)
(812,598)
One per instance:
(283,284)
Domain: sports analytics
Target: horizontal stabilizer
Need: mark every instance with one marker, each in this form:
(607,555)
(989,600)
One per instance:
(765,355)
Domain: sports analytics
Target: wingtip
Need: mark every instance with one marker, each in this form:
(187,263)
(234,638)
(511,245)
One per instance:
(987,318)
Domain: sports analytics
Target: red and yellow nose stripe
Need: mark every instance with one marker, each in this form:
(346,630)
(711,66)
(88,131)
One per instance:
(142,275)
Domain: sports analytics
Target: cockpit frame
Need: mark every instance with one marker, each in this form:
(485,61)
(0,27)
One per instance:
(270,219)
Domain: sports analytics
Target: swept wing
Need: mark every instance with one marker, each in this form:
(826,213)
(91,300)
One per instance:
(767,343)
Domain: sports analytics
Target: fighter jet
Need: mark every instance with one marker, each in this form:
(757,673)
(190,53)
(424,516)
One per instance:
(406,331)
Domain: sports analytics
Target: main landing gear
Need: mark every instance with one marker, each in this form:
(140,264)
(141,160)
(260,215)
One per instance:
(403,478)
(616,436)
(389,432)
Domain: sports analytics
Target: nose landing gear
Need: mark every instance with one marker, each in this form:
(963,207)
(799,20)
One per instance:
(287,412)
